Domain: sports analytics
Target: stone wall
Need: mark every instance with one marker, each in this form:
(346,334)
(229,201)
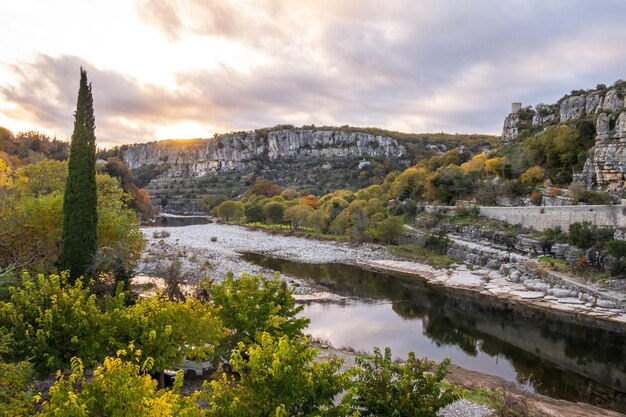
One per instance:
(541,218)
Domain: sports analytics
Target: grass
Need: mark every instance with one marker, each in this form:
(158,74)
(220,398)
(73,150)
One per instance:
(587,272)
(503,403)
(414,252)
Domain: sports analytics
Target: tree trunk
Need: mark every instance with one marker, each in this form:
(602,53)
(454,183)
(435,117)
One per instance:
(161,379)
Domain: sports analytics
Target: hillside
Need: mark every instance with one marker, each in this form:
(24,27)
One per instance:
(320,159)
(599,114)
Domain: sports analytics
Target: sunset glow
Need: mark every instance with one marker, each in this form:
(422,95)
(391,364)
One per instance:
(174,68)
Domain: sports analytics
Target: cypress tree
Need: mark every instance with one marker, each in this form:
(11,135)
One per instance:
(80,216)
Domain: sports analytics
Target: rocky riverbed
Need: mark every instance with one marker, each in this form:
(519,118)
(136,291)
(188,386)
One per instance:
(213,250)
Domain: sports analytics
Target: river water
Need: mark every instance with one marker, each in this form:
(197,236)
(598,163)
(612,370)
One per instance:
(546,354)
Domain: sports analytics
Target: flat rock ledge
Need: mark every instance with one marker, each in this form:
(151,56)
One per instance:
(494,284)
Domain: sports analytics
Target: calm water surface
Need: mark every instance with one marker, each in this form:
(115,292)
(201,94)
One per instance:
(178,221)
(552,356)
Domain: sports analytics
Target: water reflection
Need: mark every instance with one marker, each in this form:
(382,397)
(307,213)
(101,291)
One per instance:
(555,357)
(178,221)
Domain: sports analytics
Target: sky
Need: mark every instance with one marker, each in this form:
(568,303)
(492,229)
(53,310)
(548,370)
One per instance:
(192,68)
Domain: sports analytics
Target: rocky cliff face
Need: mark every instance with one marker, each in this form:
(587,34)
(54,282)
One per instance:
(605,168)
(235,151)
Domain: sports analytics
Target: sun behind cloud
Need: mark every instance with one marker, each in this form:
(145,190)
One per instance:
(184,130)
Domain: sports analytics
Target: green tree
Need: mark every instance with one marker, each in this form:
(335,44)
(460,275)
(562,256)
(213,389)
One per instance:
(167,331)
(298,215)
(414,388)
(252,304)
(254,213)
(318,221)
(386,230)
(230,210)
(80,214)
(33,206)
(274,213)
(53,320)
(280,377)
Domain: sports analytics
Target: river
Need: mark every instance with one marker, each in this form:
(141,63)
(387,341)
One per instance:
(547,355)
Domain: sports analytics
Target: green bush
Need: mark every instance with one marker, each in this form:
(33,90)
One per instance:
(437,243)
(278,376)
(52,320)
(252,304)
(414,388)
(616,248)
(586,235)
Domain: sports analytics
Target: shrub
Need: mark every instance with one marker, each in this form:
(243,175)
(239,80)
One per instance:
(415,388)
(121,386)
(53,320)
(616,248)
(586,235)
(535,198)
(387,230)
(279,376)
(437,243)
(253,304)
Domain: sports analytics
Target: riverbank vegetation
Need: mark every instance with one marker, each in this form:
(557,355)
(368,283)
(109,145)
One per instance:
(102,350)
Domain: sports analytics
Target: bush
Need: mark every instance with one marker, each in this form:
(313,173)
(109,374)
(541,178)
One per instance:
(252,304)
(616,248)
(536,198)
(279,377)
(387,230)
(52,320)
(437,243)
(586,235)
(415,388)
(121,386)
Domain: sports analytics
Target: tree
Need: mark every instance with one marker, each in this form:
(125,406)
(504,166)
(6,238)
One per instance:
(414,388)
(252,304)
(80,215)
(317,221)
(53,320)
(265,187)
(387,230)
(167,331)
(494,165)
(533,176)
(254,213)
(274,213)
(280,377)
(298,215)
(230,210)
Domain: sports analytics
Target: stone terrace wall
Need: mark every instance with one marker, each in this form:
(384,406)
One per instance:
(541,218)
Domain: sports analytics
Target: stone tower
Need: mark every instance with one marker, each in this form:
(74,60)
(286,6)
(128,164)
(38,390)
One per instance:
(515,107)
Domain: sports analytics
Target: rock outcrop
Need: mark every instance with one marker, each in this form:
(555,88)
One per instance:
(236,150)
(605,169)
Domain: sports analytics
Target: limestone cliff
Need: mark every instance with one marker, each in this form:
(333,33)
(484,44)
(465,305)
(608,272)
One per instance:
(236,151)
(605,169)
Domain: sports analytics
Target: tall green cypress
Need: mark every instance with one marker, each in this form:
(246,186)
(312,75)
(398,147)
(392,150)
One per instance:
(80,215)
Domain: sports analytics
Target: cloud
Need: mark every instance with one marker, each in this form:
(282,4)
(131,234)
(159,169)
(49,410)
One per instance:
(421,66)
